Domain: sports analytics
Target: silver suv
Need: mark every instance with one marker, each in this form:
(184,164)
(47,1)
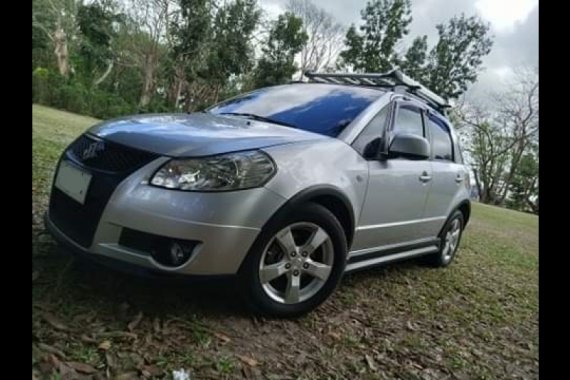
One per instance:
(287,188)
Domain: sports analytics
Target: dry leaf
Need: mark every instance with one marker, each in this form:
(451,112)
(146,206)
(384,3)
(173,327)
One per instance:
(151,371)
(135,322)
(54,322)
(224,338)
(81,367)
(105,345)
(117,334)
(127,376)
(370,362)
(334,335)
(247,360)
(110,359)
(156,325)
(87,339)
(51,349)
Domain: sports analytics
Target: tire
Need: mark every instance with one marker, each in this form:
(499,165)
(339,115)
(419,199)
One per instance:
(448,250)
(295,280)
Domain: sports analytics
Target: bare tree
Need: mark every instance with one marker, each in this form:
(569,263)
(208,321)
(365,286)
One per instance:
(499,139)
(519,109)
(325,34)
(147,46)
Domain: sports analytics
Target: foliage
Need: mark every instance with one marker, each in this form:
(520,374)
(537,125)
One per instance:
(285,40)
(373,49)
(455,60)
(171,55)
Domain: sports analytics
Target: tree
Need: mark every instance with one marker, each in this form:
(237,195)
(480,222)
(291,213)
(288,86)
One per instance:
(324,35)
(285,40)
(373,49)
(96,24)
(143,41)
(524,185)
(415,60)
(456,59)
(57,21)
(499,140)
(231,51)
(191,40)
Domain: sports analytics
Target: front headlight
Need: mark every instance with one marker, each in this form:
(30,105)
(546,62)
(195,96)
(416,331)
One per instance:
(233,171)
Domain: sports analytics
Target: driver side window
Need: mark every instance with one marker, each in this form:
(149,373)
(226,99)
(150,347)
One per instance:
(368,142)
(409,120)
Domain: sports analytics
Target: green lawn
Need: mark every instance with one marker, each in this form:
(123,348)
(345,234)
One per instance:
(477,319)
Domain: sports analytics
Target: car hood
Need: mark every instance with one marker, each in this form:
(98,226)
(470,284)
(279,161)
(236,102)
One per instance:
(197,134)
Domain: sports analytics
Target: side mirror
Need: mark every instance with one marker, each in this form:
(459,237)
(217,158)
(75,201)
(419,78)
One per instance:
(409,146)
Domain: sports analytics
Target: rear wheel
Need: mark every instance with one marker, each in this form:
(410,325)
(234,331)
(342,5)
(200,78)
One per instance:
(296,262)
(449,241)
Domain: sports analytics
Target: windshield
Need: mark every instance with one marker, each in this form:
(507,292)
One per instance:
(320,108)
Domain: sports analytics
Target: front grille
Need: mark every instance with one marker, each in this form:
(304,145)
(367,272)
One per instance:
(108,156)
(109,166)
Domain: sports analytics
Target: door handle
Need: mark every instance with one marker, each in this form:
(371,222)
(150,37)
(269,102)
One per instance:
(425,177)
(459,178)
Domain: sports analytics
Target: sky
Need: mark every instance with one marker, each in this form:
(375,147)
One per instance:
(514,25)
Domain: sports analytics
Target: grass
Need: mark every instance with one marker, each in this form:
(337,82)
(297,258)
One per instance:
(477,319)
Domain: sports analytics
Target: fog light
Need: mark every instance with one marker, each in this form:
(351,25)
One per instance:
(179,253)
(172,253)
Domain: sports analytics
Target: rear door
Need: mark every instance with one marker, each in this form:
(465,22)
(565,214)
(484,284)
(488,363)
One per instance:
(398,187)
(449,173)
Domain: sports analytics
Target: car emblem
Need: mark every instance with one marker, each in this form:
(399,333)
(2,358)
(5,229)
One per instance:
(92,150)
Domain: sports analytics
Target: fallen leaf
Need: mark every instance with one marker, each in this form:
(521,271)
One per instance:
(151,371)
(156,325)
(51,349)
(117,334)
(135,322)
(127,376)
(411,326)
(110,359)
(370,362)
(224,338)
(334,335)
(87,339)
(105,345)
(54,322)
(247,360)
(81,367)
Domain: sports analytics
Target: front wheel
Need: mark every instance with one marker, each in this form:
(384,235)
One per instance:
(295,263)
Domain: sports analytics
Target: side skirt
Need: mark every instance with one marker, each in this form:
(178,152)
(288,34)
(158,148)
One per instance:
(383,255)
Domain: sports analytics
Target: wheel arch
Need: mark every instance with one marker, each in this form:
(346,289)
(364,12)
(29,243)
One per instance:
(330,197)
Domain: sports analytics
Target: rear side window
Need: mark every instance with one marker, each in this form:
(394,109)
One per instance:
(409,120)
(441,144)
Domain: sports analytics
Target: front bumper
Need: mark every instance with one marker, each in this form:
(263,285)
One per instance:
(225,224)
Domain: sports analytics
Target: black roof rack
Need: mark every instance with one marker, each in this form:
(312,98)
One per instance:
(394,79)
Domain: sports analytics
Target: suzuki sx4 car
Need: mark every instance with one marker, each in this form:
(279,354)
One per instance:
(286,188)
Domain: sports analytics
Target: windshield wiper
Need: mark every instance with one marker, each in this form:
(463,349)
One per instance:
(258,118)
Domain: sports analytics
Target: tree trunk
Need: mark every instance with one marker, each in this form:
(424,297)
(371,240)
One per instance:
(105,74)
(148,83)
(60,50)
(514,166)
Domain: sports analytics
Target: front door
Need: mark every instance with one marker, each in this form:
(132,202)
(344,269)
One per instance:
(398,188)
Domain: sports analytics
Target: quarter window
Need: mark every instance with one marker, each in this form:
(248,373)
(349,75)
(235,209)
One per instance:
(372,133)
(441,144)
